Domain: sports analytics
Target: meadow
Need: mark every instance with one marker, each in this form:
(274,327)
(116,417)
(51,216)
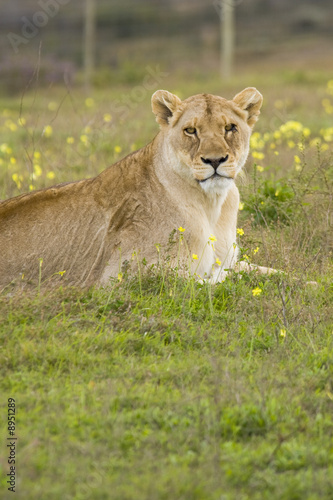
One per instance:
(160,387)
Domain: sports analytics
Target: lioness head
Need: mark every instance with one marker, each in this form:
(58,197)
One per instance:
(208,135)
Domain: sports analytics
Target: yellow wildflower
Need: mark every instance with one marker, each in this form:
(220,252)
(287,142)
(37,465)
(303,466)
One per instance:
(218,262)
(194,256)
(241,206)
(107,117)
(117,149)
(48,130)
(70,140)
(18,180)
(37,155)
(61,273)
(37,171)
(120,277)
(89,102)
(52,105)
(256,291)
(298,162)
(11,125)
(283,332)
(12,160)
(260,168)
(256,142)
(21,121)
(240,231)
(181,229)
(50,175)
(256,250)
(4,148)
(258,155)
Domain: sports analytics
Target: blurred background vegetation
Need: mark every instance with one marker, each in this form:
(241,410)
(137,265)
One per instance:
(180,35)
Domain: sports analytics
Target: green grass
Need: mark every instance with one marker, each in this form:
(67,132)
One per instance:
(159,387)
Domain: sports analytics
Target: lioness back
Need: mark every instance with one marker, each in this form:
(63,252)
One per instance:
(184,177)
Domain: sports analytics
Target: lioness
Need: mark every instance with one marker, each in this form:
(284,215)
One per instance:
(185,178)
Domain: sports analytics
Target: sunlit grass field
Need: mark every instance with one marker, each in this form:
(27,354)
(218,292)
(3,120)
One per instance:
(158,387)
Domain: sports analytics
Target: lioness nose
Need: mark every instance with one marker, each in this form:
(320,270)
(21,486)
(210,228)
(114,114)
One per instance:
(215,162)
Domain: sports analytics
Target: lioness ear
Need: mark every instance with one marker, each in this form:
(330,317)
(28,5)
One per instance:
(249,100)
(164,104)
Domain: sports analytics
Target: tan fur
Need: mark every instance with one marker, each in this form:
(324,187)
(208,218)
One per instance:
(88,228)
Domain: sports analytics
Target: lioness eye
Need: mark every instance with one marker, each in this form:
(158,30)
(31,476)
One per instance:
(230,128)
(190,130)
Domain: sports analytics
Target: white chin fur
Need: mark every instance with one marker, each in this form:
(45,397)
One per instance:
(216,186)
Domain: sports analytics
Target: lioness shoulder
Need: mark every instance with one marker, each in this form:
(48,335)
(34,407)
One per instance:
(184,178)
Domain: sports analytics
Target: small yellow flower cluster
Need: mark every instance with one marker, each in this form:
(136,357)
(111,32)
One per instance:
(52,106)
(257,142)
(107,118)
(18,179)
(5,149)
(256,291)
(289,133)
(11,125)
(84,139)
(327,134)
(240,231)
(258,155)
(298,162)
(47,131)
(89,102)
